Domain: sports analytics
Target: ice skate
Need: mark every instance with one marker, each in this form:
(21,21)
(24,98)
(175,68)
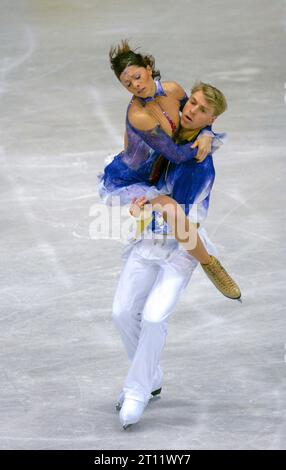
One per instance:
(141,209)
(131,412)
(120,399)
(221,279)
(143,216)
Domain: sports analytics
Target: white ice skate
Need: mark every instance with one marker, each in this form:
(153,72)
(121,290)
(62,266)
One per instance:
(120,398)
(131,412)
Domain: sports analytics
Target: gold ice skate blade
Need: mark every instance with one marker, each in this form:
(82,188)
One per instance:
(221,279)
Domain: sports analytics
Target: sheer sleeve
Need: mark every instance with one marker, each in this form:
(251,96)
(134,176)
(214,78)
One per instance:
(218,138)
(159,141)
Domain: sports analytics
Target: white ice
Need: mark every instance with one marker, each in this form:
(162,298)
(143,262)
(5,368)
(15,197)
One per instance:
(62,114)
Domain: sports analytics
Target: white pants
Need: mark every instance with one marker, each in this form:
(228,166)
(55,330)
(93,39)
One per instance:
(154,275)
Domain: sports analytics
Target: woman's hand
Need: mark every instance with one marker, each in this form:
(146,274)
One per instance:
(136,206)
(204,144)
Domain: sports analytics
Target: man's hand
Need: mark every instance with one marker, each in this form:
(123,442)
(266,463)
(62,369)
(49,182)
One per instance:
(136,205)
(204,144)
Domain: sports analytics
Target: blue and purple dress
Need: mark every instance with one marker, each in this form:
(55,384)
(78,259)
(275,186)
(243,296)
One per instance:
(140,170)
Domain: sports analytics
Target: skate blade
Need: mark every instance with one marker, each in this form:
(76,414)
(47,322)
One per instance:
(239,299)
(126,426)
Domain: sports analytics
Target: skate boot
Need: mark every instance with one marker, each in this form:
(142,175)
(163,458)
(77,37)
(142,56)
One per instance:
(221,279)
(120,399)
(131,412)
(142,214)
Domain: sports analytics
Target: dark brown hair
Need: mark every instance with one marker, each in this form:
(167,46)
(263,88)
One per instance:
(121,56)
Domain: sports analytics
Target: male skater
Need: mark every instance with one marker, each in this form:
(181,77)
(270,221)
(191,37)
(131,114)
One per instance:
(157,270)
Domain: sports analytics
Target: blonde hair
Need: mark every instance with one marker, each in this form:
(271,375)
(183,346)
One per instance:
(213,96)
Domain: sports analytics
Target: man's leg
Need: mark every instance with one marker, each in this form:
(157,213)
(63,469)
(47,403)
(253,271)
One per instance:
(160,303)
(175,273)
(136,281)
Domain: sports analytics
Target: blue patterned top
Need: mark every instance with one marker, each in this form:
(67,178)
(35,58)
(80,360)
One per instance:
(131,172)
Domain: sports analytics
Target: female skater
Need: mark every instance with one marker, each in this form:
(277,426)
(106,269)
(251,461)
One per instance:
(151,122)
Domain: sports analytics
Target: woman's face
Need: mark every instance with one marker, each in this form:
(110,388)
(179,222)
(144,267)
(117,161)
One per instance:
(138,80)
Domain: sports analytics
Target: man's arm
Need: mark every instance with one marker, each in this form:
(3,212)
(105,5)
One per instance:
(207,141)
(217,140)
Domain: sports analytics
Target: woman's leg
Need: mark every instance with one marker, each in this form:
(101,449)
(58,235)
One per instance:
(183,230)
(187,236)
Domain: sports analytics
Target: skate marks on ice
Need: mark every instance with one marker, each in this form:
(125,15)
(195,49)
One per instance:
(9,64)
(239,75)
(104,118)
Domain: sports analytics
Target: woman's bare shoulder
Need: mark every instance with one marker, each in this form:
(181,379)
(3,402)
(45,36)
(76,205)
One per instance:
(174,89)
(140,118)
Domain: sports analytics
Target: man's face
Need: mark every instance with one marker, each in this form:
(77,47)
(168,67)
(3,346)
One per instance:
(197,113)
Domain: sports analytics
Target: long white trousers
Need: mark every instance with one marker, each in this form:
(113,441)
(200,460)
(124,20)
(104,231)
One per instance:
(154,275)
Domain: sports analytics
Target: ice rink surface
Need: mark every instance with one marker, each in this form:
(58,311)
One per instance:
(62,114)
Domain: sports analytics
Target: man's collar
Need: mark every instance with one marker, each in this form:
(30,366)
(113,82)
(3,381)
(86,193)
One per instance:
(159,92)
(187,134)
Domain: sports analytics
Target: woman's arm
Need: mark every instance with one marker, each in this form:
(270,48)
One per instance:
(208,142)
(148,128)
